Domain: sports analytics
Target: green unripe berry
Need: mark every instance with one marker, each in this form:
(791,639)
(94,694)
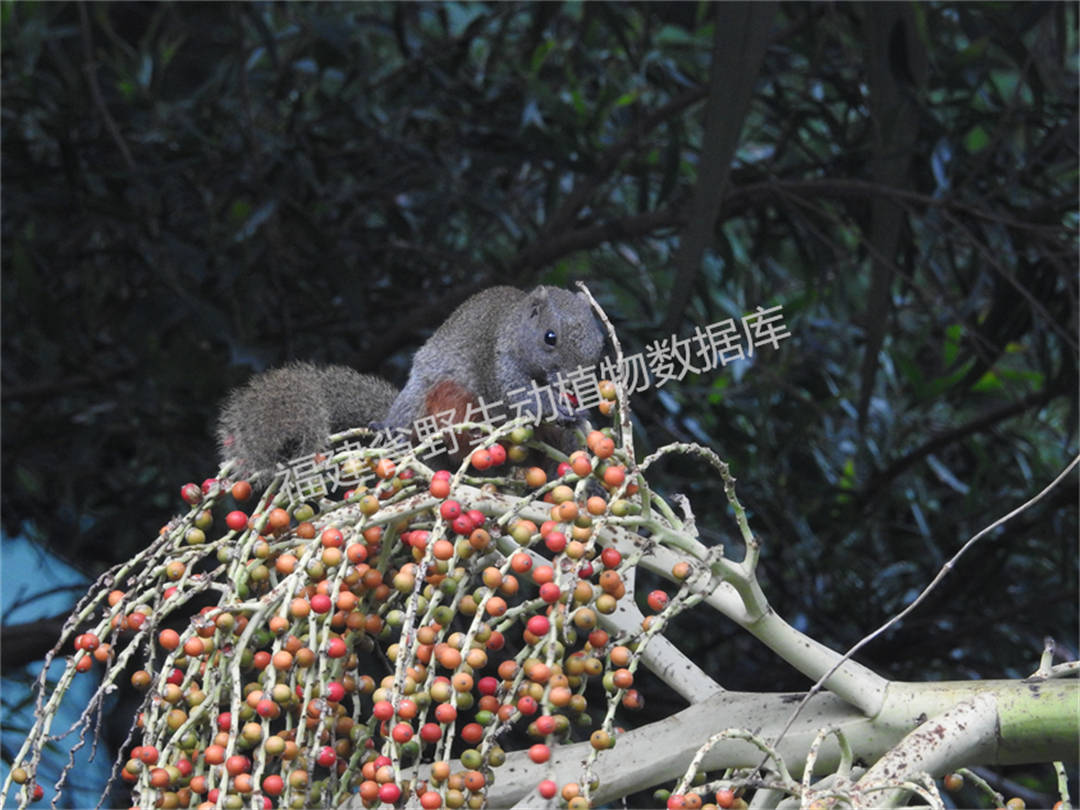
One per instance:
(449,586)
(520,435)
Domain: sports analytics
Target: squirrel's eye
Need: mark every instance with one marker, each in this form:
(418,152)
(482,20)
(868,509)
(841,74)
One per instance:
(550,338)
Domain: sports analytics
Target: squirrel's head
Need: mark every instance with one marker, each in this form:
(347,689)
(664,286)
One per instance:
(557,333)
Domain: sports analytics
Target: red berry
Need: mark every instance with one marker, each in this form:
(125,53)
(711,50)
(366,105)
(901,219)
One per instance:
(389,793)
(547,789)
(383,710)
(332,538)
(335,692)
(337,648)
(321,603)
(527,705)
(498,454)
(236,520)
(267,708)
(599,639)
(563,469)
(725,797)
(431,800)
(135,620)
(445,713)
(658,600)
(402,732)
(430,732)
(462,525)
(539,753)
(550,592)
(449,510)
(676,801)
(538,625)
(238,763)
(326,757)
(477,517)
(191,493)
(487,685)
(481,459)
(610,558)
(472,733)
(273,785)
(555,541)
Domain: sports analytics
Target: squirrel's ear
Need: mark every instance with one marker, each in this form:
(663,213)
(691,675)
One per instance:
(538,299)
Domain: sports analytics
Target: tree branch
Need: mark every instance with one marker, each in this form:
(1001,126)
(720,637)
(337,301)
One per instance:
(742,34)
(90,70)
(880,481)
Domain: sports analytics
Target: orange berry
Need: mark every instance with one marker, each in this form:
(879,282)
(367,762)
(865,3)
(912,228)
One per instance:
(535,477)
(278,520)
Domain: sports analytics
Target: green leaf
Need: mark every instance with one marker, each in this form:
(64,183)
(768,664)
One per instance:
(976,139)
(540,55)
(940,385)
(847,478)
(673,36)
(988,382)
(951,349)
(911,371)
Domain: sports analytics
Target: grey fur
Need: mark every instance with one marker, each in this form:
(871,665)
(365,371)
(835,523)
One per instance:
(290,411)
(495,343)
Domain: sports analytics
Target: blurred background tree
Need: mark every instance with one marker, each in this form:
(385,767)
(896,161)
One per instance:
(194,192)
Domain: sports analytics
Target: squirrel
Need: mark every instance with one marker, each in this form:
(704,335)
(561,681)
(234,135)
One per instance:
(498,341)
(291,411)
